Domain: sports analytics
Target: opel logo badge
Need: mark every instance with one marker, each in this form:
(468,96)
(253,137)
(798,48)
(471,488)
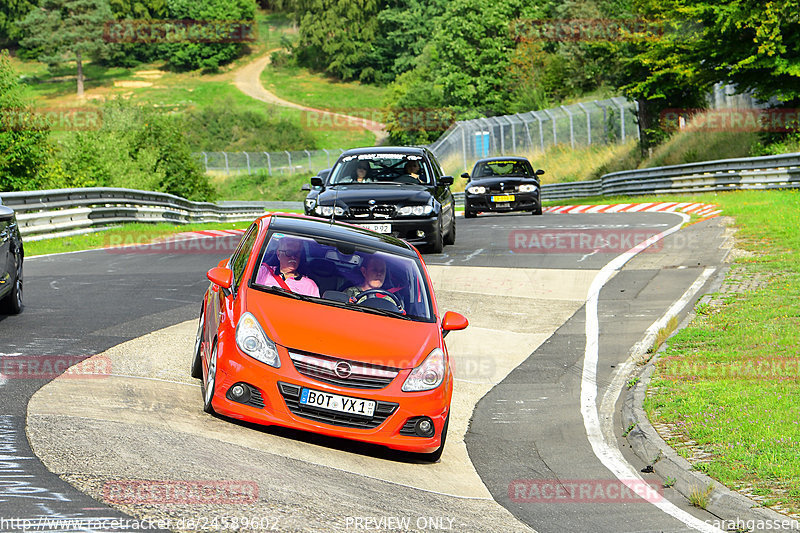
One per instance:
(343,369)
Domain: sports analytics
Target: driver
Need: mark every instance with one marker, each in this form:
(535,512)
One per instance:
(362,172)
(412,169)
(374,271)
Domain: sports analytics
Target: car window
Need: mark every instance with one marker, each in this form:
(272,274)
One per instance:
(239,258)
(335,273)
(503,168)
(377,168)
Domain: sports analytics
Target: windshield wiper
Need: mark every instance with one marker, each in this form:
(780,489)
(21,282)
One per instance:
(282,291)
(376,311)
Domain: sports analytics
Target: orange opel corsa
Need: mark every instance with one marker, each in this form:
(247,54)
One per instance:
(329,328)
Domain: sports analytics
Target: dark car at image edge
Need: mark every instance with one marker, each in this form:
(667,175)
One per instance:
(502,184)
(11,257)
(417,207)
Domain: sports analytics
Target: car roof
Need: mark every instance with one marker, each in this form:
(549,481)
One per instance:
(507,158)
(410,150)
(317,227)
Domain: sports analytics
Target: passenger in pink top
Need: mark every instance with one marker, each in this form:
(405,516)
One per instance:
(289,253)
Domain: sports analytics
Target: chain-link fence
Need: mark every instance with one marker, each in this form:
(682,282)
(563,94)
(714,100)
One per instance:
(597,122)
(273,163)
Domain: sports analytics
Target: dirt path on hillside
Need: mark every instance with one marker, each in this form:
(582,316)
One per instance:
(248,80)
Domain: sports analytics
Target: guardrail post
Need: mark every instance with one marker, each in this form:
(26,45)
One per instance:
(291,171)
(588,123)
(571,127)
(247,157)
(269,164)
(227,168)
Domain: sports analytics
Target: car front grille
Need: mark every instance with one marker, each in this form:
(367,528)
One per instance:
(291,395)
(372,212)
(324,368)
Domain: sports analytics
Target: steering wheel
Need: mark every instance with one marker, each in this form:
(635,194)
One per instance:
(362,295)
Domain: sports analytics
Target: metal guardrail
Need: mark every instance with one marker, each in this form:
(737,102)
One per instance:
(768,172)
(58,212)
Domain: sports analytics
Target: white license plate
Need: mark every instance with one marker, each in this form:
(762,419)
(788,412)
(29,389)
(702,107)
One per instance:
(378,228)
(334,402)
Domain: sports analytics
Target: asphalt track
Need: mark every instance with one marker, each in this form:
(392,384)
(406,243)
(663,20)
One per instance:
(520,361)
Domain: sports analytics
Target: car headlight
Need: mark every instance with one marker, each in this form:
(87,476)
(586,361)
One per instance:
(476,189)
(328,210)
(416,210)
(310,202)
(427,375)
(527,187)
(250,339)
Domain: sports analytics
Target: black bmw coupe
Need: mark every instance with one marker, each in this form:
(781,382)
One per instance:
(398,191)
(11,255)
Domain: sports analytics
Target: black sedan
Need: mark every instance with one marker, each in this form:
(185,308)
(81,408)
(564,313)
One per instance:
(396,191)
(311,198)
(502,184)
(11,255)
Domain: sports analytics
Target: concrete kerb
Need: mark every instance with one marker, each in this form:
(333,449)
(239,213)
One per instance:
(648,445)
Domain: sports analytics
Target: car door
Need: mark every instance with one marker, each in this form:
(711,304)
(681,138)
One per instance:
(443,194)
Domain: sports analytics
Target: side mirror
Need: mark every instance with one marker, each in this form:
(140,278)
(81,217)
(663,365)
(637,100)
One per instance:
(446,180)
(452,321)
(539,172)
(316,181)
(221,276)
(306,187)
(465,175)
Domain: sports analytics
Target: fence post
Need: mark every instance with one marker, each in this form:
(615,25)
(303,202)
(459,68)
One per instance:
(555,135)
(541,129)
(205,161)
(605,121)
(227,168)
(248,162)
(464,147)
(588,123)
(309,159)
(621,120)
(269,164)
(291,171)
(328,157)
(571,127)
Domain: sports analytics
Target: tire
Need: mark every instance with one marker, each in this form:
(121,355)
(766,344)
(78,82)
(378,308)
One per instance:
(12,303)
(197,363)
(451,235)
(538,210)
(209,384)
(437,245)
(434,457)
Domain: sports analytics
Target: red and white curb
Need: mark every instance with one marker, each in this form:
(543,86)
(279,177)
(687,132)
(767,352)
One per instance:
(701,210)
(200,234)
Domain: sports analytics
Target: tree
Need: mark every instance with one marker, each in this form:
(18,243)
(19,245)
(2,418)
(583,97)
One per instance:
(23,139)
(67,29)
(11,12)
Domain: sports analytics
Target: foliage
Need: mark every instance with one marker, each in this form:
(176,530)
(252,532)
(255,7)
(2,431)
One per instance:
(11,12)
(226,127)
(66,30)
(206,56)
(23,140)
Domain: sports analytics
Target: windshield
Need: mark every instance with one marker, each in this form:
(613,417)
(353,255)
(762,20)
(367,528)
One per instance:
(381,168)
(342,274)
(503,168)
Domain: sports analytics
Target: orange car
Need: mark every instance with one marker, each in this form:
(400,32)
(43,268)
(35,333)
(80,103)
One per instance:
(329,328)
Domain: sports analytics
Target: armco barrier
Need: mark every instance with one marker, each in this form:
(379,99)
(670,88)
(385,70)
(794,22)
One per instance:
(42,214)
(769,172)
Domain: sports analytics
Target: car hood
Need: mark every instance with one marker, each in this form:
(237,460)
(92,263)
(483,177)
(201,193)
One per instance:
(382,194)
(507,180)
(343,333)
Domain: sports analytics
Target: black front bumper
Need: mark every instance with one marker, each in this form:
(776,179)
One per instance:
(483,202)
(403,228)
